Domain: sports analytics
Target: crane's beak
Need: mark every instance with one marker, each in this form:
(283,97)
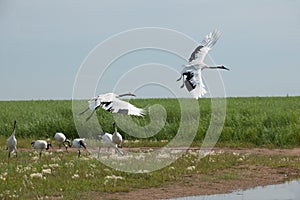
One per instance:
(223,67)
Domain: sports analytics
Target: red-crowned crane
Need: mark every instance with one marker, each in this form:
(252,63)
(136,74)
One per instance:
(111,103)
(191,72)
(12,142)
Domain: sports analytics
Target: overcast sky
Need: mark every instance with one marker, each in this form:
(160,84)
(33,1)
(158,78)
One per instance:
(44,43)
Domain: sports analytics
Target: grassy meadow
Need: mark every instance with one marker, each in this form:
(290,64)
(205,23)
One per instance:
(255,121)
(61,175)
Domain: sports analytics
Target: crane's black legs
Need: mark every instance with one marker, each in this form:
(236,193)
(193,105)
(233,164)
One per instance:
(84,111)
(89,117)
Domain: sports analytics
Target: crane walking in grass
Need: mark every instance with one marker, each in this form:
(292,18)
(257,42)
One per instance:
(117,137)
(79,143)
(111,103)
(40,145)
(12,142)
(107,141)
(191,73)
(62,140)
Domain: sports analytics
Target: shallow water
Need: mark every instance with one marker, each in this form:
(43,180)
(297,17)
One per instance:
(286,191)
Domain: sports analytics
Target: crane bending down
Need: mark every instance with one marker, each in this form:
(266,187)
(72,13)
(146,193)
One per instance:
(78,143)
(111,103)
(191,73)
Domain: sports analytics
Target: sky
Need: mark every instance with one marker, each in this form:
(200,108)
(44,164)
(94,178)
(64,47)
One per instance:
(44,44)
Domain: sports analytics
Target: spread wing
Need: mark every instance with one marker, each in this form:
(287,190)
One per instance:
(193,83)
(207,43)
(111,103)
(103,100)
(123,107)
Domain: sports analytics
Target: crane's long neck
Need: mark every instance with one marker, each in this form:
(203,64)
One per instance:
(81,143)
(126,94)
(116,130)
(15,127)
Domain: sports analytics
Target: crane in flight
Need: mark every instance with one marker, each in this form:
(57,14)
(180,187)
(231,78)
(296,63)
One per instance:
(111,103)
(191,73)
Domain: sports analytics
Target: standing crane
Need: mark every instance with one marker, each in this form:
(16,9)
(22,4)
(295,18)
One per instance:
(12,142)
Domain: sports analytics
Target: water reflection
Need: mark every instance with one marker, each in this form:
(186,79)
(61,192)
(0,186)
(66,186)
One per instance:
(286,191)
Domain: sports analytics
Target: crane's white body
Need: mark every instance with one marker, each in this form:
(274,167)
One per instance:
(191,72)
(61,139)
(117,137)
(79,143)
(112,140)
(107,141)
(12,142)
(40,145)
(111,103)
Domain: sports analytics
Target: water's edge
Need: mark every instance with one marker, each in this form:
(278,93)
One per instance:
(286,191)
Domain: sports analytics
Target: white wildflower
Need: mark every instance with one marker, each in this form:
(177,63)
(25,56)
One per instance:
(114,177)
(105,182)
(75,176)
(53,165)
(191,168)
(35,158)
(89,175)
(69,164)
(46,171)
(36,175)
(143,171)
(92,165)
(47,153)
(193,153)
(2,178)
(55,159)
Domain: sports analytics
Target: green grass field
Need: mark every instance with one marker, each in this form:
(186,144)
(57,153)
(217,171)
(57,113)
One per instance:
(256,121)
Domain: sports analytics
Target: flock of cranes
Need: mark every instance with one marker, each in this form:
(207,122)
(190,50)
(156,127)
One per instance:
(192,80)
(109,140)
